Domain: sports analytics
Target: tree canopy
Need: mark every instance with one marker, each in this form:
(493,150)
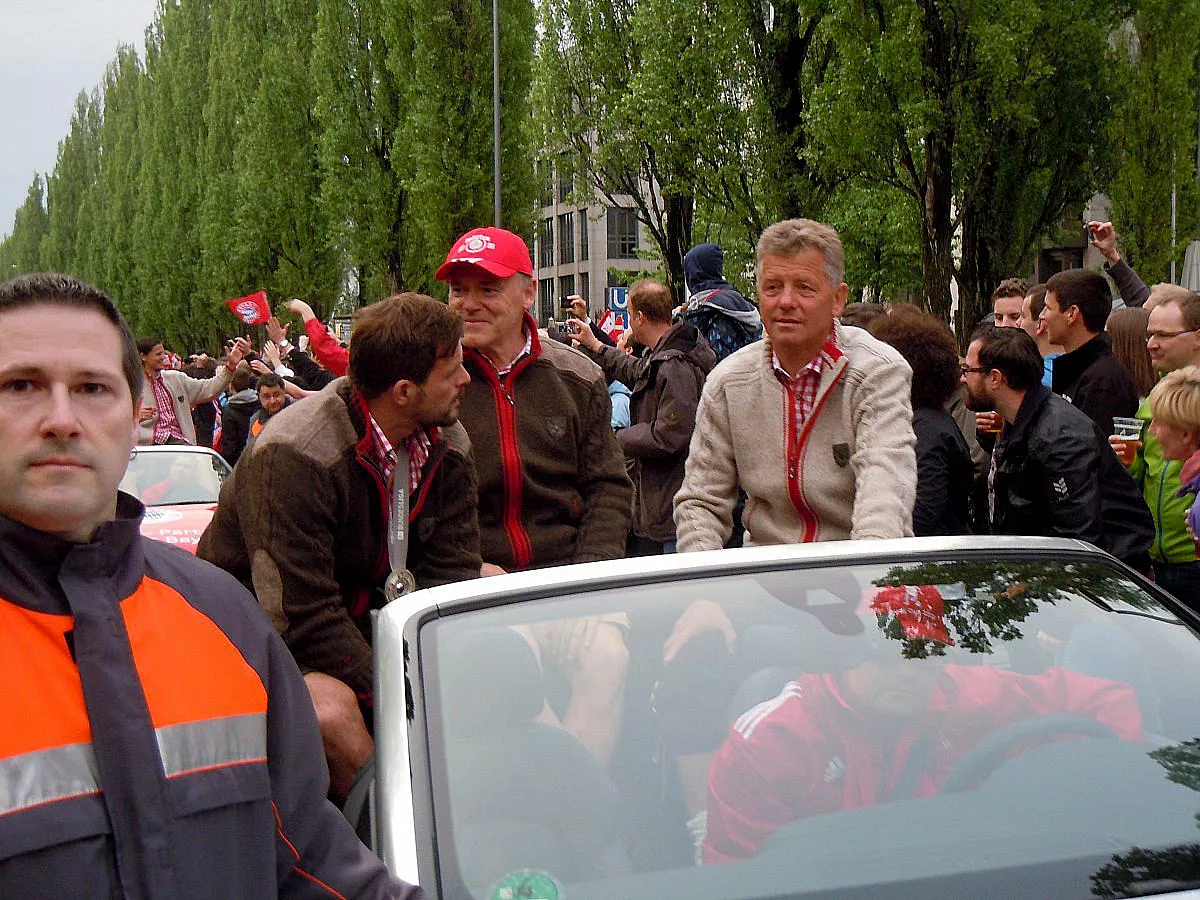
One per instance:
(300,147)
(331,149)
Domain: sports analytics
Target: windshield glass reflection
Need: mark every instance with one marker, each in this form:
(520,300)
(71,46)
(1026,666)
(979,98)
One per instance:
(1038,707)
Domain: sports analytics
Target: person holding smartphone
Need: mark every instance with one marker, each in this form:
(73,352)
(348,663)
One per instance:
(576,307)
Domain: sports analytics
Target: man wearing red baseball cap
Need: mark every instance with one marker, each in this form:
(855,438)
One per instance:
(552,483)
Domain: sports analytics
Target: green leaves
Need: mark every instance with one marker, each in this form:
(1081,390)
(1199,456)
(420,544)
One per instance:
(327,149)
(1153,133)
(332,149)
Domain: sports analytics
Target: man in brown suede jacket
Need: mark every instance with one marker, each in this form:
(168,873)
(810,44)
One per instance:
(303,518)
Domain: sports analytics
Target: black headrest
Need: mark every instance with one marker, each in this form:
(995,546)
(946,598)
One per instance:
(489,678)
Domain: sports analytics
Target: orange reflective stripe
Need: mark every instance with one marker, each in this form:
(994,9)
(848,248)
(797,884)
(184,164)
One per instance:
(208,705)
(189,669)
(255,427)
(41,699)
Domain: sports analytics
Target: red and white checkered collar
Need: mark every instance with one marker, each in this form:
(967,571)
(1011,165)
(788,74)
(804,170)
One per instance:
(830,353)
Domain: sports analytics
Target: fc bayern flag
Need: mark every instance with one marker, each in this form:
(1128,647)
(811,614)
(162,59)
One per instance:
(253,310)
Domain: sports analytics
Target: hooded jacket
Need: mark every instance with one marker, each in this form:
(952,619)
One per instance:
(235,423)
(1054,474)
(727,320)
(665,394)
(156,739)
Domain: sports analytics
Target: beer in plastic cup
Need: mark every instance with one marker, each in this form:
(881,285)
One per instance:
(1126,438)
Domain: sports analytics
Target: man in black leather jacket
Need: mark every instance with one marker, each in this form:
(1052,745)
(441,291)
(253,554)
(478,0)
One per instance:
(1052,471)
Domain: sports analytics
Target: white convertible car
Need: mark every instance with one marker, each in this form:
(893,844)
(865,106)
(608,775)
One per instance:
(919,718)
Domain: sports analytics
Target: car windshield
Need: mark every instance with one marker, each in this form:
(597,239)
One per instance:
(166,477)
(1008,727)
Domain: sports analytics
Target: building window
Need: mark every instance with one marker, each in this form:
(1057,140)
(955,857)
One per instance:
(546,244)
(583,235)
(566,286)
(585,287)
(622,233)
(566,238)
(546,295)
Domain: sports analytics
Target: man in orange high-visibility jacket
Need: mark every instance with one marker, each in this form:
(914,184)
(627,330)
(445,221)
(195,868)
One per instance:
(156,739)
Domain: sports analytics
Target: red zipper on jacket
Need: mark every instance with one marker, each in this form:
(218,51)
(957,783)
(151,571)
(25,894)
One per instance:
(795,449)
(383,565)
(510,453)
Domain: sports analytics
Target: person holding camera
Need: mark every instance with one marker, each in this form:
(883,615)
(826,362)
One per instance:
(576,308)
(666,385)
(165,414)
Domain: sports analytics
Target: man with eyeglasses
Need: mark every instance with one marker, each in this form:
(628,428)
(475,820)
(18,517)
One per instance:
(1173,339)
(1051,473)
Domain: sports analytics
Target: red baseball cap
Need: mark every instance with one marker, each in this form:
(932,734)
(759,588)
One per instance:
(494,250)
(919,609)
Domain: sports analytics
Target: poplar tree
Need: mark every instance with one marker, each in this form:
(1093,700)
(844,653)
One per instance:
(364,193)
(447,140)
(73,176)
(278,218)
(20,252)
(170,190)
(1153,131)
(108,244)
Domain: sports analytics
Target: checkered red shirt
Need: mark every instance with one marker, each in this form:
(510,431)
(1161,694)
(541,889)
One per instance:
(802,388)
(166,426)
(417,446)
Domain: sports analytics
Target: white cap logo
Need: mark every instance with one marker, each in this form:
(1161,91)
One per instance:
(476,243)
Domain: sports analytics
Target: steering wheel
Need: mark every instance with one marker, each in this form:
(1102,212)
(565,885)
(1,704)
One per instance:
(983,759)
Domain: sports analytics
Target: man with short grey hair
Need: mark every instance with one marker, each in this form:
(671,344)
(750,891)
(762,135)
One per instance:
(814,422)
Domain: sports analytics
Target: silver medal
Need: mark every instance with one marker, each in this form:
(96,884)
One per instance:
(398,584)
(400,581)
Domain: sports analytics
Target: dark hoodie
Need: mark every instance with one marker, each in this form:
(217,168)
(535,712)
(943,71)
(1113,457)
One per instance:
(666,387)
(235,423)
(727,320)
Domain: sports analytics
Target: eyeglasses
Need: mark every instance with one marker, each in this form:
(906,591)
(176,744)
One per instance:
(967,370)
(1164,335)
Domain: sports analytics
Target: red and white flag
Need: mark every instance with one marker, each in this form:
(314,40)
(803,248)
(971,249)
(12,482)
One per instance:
(252,309)
(612,323)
